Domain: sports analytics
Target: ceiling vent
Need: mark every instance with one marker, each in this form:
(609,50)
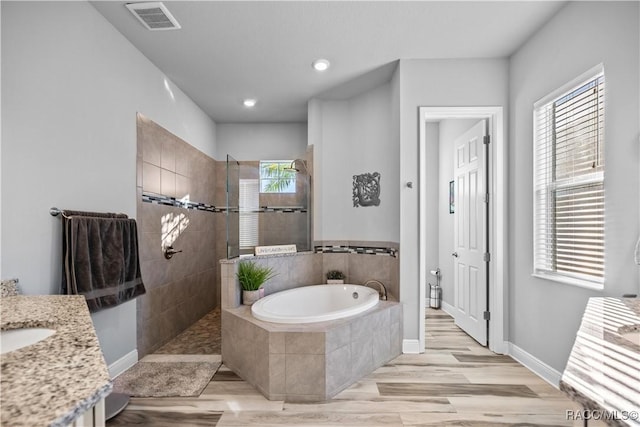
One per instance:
(154,16)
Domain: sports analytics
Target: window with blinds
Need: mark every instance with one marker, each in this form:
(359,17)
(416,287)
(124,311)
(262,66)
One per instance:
(249,205)
(569,207)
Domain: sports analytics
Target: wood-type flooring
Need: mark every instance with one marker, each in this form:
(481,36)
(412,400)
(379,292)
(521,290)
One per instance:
(456,382)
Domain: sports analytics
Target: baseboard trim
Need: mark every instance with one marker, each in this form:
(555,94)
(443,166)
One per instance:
(448,308)
(124,363)
(411,347)
(501,347)
(535,365)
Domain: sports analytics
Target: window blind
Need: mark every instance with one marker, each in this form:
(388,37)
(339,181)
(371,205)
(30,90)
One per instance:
(569,202)
(249,203)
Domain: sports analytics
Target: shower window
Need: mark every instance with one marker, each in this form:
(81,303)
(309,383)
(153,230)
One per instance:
(276,177)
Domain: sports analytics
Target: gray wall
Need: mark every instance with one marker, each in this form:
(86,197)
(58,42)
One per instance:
(447,83)
(72,85)
(545,315)
(353,137)
(1,276)
(261,141)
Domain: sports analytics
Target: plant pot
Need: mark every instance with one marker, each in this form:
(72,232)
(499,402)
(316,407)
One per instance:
(335,281)
(249,297)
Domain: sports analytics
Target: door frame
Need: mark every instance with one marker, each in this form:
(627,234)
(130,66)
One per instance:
(497,214)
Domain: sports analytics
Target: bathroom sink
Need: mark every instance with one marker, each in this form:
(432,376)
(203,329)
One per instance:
(14,339)
(632,336)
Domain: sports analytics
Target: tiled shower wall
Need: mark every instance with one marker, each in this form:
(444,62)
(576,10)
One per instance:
(183,289)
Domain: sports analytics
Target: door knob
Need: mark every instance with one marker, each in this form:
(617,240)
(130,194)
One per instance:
(455,254)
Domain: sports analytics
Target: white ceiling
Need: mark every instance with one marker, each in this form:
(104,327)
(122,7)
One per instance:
(228,51)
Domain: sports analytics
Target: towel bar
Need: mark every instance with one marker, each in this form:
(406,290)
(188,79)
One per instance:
(68,214)
(55,212)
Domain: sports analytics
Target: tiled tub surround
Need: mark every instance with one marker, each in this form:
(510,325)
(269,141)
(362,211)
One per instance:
(603,371)
(311,362)
(181,290)
(55,381)
(363,260)
(309,268)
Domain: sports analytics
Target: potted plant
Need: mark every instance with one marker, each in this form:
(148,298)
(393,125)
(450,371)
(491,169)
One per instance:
(252,276)
(335,277)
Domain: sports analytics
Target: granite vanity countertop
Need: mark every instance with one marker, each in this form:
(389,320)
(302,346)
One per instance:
(53,381)
(603,371)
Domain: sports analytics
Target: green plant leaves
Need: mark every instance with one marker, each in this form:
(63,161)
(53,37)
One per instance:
(335,275)
(252,276)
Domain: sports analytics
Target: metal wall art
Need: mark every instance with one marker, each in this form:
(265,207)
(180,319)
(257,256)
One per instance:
(366,189)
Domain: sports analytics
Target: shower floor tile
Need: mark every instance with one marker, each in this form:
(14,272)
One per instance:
(203,337)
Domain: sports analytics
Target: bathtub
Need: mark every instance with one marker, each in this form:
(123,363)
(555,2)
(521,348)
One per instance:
(309,304)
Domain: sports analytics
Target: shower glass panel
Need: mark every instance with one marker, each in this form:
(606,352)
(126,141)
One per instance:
(285,216)
(233,212)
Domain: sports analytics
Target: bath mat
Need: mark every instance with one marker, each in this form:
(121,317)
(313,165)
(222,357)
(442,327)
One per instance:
(165,379)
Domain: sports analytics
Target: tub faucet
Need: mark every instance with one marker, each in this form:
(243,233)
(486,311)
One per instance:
(383,290)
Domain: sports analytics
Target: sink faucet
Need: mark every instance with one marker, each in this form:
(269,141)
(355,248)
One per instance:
(383,290)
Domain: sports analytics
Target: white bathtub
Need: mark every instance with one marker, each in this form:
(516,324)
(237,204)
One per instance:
(317,303)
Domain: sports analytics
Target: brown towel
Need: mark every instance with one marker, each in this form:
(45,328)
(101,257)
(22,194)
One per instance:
(100,259)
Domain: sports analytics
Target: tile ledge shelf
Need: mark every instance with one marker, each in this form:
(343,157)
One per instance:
(387,250)
(253,257)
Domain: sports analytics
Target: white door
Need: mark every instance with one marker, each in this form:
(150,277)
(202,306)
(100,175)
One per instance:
(470,231)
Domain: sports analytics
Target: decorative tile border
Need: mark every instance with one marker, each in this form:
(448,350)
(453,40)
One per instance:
(159,199)
(172,201)
(366,250)
(285,209)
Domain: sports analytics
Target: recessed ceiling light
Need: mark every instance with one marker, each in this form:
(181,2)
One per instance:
(249,102)
(321,64)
